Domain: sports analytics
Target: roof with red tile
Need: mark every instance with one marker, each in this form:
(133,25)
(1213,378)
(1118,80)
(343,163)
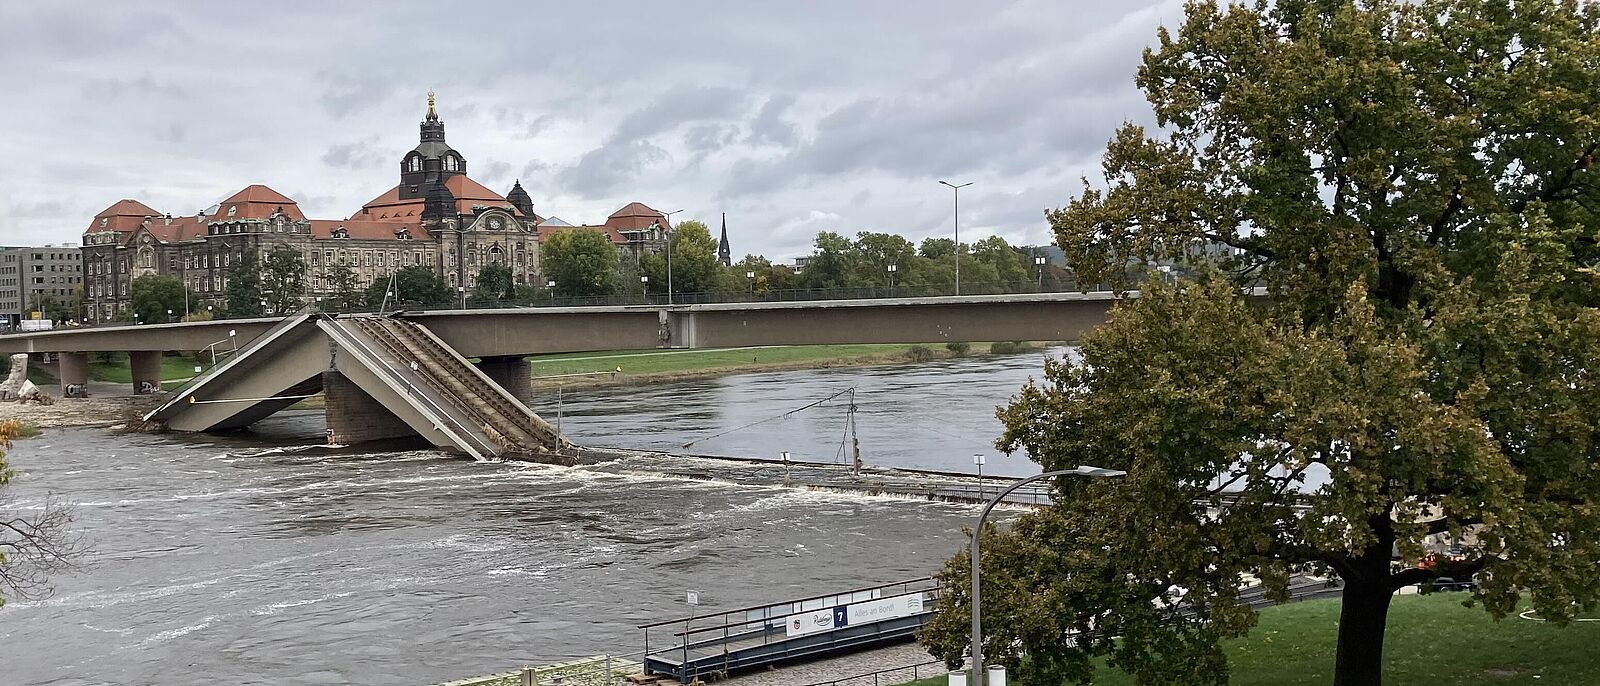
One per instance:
(176,228)
(636,215)
(389,206)
(122,215)
(256,201)
(366,229)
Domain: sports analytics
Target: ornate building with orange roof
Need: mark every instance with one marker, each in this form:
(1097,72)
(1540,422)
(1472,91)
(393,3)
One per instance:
(436,216)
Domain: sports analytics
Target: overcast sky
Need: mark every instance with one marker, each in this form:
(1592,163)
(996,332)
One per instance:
(792,118)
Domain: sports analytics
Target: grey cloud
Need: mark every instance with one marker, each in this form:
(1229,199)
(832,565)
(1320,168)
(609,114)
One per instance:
(345,93)
(142,86)
(709,137)
(605,169)
(681,105)
(769,125)
(362,154)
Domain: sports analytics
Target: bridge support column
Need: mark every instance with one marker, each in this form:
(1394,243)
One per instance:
(146,367)
(355,417)
(513,374)
(74,372)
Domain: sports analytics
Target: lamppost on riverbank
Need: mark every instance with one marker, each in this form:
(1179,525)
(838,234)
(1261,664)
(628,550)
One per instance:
(668,217)
(957,189)
(977,674)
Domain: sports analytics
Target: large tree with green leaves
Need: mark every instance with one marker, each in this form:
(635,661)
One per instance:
(494,284)
(1413,183)
(580,261)
(694,261)
(154,296)
(346,286)
(243,288)
(283,280)
(414,285)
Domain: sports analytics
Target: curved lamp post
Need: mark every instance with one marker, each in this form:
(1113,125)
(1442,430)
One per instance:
(977,675)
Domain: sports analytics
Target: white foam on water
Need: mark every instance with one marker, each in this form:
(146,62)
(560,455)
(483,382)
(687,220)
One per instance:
(169,634)
(275,608)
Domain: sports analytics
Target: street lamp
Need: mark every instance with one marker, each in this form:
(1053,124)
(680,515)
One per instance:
(977,678)
(462,291)
(1039,260)
(668,217)
(751,275)
(169,314)
(892,270)
(957,189)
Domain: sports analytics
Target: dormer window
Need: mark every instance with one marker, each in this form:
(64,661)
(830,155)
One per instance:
(403,234)
(452,163)
(341,233)
(103,222)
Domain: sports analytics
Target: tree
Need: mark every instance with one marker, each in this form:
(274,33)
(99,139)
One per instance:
(494,284)
(416,285)
(347,293)
(35,543)
(582,262)
(694,261)
(832,264)
(1413,183)
(874,252)
(244,288)
(153,296)
(283,280)
(1011,265)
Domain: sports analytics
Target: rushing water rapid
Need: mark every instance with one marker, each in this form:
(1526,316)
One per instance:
(257,560)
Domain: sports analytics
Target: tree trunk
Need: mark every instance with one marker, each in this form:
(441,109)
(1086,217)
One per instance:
(1363,616)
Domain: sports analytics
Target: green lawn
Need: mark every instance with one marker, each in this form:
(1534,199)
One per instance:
(1432,641)
(174,370)
(663,361)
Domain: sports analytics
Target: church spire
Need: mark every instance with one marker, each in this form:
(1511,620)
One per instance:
(724,251)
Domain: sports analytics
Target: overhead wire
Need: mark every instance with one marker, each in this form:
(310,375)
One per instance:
(759,422)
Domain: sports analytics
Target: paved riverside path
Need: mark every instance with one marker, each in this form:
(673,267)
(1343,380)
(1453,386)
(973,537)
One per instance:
(851,665)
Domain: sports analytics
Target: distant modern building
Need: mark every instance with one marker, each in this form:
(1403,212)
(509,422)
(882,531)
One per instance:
(436,216)
(39,279)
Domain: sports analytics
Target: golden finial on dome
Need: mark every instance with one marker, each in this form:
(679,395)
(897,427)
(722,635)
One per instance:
(431,113)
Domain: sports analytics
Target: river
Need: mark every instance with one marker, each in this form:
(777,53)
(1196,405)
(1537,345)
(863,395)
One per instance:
(236,560)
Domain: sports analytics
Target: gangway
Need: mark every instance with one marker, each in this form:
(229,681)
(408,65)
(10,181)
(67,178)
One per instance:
(807,628)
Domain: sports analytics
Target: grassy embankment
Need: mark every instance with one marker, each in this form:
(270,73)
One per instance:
(1432,641)
(174,370)
(653,365)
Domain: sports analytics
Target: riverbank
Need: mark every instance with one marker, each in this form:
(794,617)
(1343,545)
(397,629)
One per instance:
(86,412)
(578,371)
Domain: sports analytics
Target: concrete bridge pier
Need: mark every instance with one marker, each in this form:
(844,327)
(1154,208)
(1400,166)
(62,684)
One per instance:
(353,416)
(74,371)
(146,367)
(512,373)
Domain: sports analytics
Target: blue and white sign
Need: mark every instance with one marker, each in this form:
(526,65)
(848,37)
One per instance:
(884,608)
(809,622)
